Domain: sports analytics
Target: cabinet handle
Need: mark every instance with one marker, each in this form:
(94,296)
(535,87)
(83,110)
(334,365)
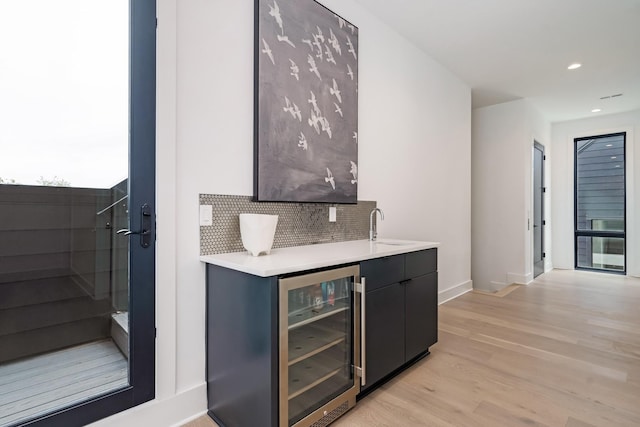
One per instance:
(360,287)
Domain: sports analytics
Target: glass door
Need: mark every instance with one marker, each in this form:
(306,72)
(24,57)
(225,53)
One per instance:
(319,342)
(600,203)
(77,221)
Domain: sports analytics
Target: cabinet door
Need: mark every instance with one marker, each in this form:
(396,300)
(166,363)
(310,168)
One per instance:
(421,314)
(384,331)
(383,271)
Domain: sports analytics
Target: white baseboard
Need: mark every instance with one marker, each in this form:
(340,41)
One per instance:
(454,291)
(519,279)
(194,417)
(495,286)
(562,267)
(173,411)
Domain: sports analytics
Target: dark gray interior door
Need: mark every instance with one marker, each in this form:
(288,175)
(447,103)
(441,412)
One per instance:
(538,209)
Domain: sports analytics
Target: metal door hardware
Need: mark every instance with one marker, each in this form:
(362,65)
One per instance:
(145,231)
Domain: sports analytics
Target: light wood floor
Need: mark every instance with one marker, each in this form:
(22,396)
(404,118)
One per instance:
(563,351)
(40,384)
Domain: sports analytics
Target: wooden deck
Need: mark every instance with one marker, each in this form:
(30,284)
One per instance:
(37,385)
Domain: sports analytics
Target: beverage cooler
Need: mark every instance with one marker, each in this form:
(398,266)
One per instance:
(320,318)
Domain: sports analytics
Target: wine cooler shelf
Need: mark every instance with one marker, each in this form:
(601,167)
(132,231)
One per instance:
(319,395)
(313,371)
(308,315)
(312,339)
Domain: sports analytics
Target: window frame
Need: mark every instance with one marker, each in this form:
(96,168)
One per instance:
(597,233)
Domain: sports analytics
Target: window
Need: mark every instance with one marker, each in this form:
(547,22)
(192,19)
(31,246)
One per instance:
(600,203)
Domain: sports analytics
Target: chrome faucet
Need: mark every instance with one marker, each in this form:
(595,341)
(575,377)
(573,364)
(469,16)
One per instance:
(373,233)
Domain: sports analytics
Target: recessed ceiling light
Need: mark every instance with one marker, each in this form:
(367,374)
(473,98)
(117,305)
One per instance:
(609,145)
(617,166)
(574,66)
(596,110)
(613,157)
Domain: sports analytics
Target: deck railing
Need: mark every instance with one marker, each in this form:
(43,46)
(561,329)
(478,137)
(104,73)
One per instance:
(63,270)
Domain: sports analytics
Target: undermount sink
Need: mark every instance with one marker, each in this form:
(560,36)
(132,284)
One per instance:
(391,243)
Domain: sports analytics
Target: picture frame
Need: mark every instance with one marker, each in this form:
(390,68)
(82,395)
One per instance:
(305,104)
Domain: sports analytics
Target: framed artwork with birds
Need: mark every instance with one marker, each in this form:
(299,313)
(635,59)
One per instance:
(306,104)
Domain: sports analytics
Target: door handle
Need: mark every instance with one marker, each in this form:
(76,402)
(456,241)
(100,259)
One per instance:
(362,370)
(145,232)
(127,232)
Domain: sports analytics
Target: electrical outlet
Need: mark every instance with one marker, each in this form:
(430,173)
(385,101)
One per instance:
(206,215)
(332,214)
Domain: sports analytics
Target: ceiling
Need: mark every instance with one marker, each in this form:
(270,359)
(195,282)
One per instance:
(512,49)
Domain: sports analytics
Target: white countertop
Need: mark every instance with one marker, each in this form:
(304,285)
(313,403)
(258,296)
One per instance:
(301,258)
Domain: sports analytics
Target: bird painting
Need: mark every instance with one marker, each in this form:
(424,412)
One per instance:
(317,46)
(302,142)
(275,12)
(351,49)
(320,35)
(354,171)
(335,43)
(267,50)
(329,55)
(295,71)
(350,71)
(314,103)
(314,121)
(325,126)
(292,109)
(285,39)
(296,113)
(314,67)
(335,91)
(288,108)
(299,136)
(308,42)
(329,178)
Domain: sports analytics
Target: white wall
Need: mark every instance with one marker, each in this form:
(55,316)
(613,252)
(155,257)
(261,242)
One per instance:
(502,141)
(414,159)
(562,164)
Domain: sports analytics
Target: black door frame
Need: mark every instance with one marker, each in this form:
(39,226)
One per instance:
(590,233)
(142,145)
(540,147)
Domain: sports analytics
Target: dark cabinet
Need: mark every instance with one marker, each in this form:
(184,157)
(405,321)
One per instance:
(401,311)
(421,314)
(282,351)
(293,339)
(384,335)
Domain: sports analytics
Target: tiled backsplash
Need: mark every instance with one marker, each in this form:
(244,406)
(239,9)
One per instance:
(298,223)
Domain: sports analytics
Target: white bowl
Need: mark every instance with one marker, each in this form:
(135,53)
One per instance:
(257,232)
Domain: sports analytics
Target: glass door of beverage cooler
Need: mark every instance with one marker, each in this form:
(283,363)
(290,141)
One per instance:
(319,345)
